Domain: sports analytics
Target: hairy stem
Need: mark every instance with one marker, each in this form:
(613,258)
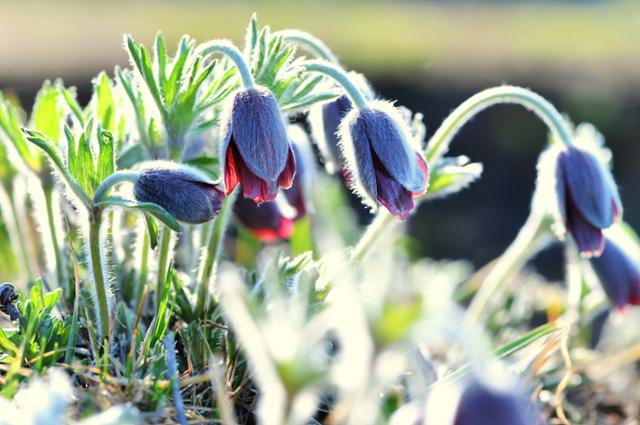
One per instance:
(102,312)
(309,42)
(163,262)
(213,248)
(439,142)
(228,49)
(48,197)
(529,241)
(112,180)
(376,228)
(341,77)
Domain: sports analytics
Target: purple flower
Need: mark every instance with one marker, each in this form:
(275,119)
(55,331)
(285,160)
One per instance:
(331,115)
(619,275)
(588,200)
(186,193)
(386,168)
(255,149)
(297,195)
(482,405)
(266,221)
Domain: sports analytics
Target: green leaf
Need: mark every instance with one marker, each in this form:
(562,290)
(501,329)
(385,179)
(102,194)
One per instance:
(6,345)
(451,175)
(47,113)
(69,96)
(151,208)
(103,101)
(508,349)
(206,164)
(11,125)
(152,227)
(47,146)
(106,156)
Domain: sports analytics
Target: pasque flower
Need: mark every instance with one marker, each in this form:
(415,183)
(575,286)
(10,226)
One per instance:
(482,405)
(329,116)
(386,167)
(255,150)
(619,274)
(266,221)
(271,221)
(588,201)
(185,192)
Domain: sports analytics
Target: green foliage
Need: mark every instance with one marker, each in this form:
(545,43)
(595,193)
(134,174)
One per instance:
(273,65)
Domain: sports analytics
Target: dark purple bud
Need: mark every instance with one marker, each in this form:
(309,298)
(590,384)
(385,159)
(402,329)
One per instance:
(619,275)
(332,114)
(386,167)
(588,201)
(266,221)
(186,193)
(482,405)
(297,195)
(255,149)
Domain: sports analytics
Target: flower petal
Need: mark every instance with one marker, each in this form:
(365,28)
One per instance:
(390,143)
(588,238)
(285,180)
(619,275)
(265,221)
(587,186)
(364,170)
(397,199)
(259,132)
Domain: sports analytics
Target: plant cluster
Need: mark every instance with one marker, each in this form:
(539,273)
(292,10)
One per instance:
(188,261)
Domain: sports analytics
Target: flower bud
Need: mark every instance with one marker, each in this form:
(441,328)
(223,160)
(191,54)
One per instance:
(185,192)
(255,150)
(386,167)
(619,275)
(298,194)
(587,201)
(266,221)
(483,405)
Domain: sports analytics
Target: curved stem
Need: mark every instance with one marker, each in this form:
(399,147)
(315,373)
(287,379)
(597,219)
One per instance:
(439,142)
(216,238)
(228,49)
(528,242)
(311,43)
(112,180)
(339,76)
(102,310)
(375,229)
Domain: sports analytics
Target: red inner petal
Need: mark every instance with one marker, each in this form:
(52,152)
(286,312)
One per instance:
(231,179)
(285,180)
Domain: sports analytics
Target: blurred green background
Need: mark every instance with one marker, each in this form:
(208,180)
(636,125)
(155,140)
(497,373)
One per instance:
(583,55)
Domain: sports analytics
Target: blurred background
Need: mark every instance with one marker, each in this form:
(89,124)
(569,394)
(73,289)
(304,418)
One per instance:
(429,55)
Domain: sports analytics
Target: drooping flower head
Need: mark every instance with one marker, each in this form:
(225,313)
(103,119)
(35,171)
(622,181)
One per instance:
(326,119)
(274,220)
(619,274)
(587,199)
(386,166)
(255,150)
(185,192)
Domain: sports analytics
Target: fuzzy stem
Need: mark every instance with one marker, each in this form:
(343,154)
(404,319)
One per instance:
(112,180)
(439,142)
(14,228)
(311,43)
(102,312)
(165,245)
(144,267)
(216,238)
(529,241)
(376,228)
(228,49)
(48,197)
(341,78)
